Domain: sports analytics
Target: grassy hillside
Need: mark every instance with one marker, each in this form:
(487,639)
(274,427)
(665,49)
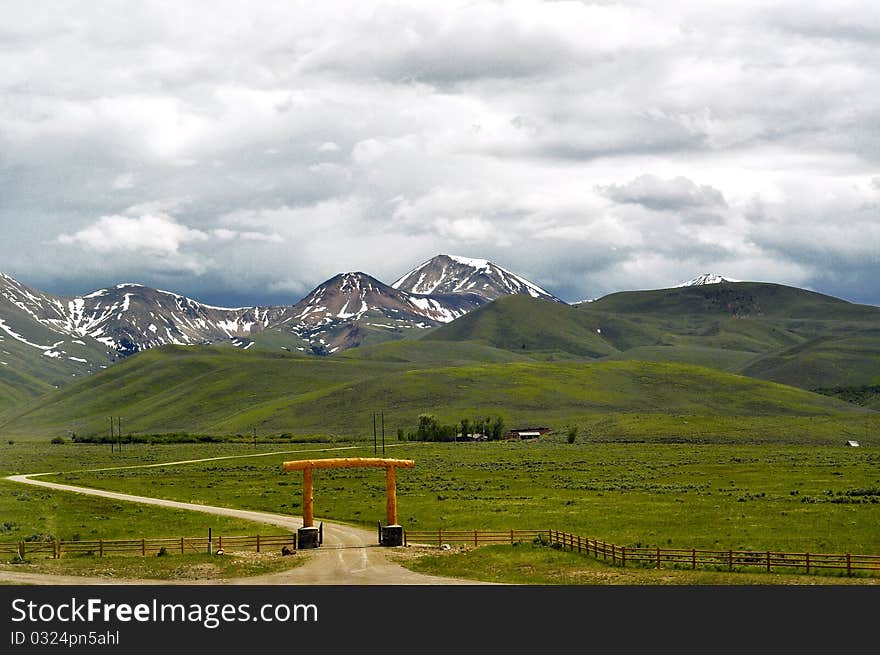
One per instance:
(431,352)
(226,391)
(27,371)
(16,389)
(767,331)
(529,326)
(741,299)
(822,362)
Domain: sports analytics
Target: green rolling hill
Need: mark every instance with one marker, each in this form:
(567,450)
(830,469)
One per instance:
(768,331)
(531,327)
(208,390)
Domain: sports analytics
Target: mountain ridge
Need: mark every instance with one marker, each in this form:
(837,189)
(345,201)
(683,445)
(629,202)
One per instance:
(85,332)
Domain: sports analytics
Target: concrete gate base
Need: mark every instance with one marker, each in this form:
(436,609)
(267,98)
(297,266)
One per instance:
(391,535)
(307,537)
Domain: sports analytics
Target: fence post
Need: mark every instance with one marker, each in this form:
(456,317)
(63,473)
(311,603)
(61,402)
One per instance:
(848,564)
(511,536)
(658,557)
(21,549)
(439,536)
(730,559)
(100,548)
(579,544)
(258,543)
(808,563)
(613,555)
(693,558)
(220,542)
(768,561)
(475,538)
(143,547)
(181,545)
(623,555)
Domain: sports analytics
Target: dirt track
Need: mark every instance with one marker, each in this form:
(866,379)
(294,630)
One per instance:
(349,556)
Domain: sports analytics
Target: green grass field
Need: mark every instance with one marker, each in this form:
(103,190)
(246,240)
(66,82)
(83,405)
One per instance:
(818,498)
(33,513)
(716,496)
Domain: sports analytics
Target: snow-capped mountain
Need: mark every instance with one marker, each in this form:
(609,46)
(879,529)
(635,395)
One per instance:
(339,313)
(131,317)
(80,334)
(32,352)
(451,274)
(705,278)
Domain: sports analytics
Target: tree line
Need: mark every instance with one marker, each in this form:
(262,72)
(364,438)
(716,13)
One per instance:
(431,429)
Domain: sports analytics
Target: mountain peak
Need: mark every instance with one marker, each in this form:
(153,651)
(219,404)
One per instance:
(454,274)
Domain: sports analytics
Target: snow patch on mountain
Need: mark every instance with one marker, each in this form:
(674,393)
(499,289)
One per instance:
(705,278)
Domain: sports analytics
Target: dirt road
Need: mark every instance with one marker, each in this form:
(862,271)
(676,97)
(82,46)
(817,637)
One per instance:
(348,556)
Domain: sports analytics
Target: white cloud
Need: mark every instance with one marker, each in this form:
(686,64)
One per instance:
(149,233)
(124,181)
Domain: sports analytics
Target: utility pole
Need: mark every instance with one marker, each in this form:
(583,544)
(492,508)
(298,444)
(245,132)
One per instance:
(255,436)
(119,435)
(374,433)
(383,434)
(111,434)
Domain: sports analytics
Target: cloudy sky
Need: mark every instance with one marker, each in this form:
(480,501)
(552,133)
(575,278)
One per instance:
(243,154)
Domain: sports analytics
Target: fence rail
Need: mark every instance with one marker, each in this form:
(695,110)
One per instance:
(657,557)
(147,545)
(475,537)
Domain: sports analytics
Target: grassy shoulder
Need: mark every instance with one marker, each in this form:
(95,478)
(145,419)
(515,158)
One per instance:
(533,564)
(195,566)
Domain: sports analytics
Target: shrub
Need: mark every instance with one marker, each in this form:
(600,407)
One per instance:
(39,536)
(58,440)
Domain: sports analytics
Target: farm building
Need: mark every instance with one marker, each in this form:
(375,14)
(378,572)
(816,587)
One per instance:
(527,433)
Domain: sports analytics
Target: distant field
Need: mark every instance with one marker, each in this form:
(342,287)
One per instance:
(797,498)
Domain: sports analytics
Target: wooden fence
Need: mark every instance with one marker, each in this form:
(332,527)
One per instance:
(147,546)
(657,557)
(474,537)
